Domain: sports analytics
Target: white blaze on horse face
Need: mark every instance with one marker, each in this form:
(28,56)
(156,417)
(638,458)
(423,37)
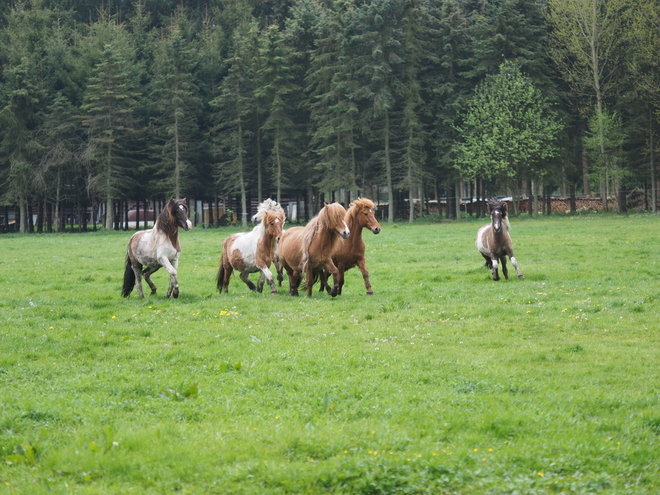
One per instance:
(346,232)
(188,224)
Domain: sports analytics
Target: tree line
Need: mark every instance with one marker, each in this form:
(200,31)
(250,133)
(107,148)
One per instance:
(307,99)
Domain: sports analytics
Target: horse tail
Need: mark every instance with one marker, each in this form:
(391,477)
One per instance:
(307,237)
(221,276)
(129,279)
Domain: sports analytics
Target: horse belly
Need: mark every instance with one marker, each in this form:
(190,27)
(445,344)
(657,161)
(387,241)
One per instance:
(242,254)
(482,242)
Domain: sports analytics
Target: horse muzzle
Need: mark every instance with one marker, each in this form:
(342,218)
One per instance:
(345,233)
(188,225)
(376,230)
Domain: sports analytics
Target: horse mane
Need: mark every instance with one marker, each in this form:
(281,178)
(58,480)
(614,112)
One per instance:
(315,225)
(360,203)
(166,223)
(267,205)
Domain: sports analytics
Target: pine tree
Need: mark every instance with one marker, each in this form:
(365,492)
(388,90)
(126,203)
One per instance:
(276,89)
(177,108)
(109,104)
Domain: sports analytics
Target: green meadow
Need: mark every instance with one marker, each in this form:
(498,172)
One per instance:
(443,382)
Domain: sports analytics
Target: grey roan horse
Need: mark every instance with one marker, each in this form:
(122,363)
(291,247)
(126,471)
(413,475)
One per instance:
(493,240)
(157,247)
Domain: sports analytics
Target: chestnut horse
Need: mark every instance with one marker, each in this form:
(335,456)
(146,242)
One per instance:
(250,252)
(308,250)
(493,240)
(156,247)
(360,214)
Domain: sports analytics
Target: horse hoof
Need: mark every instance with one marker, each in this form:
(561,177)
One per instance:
(273,293)
(370,293)
(175,294)
(521,277)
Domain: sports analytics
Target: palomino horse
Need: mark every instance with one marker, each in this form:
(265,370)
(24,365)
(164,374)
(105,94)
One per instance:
(493,240)
(360,214)
(308,250)
(271,205)
(157,247)
(250,252)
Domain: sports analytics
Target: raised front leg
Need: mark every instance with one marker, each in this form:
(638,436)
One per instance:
(362,265)
(514,262)
(171,267)
(267,275)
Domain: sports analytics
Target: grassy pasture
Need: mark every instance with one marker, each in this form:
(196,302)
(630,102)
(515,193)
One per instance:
(442,382)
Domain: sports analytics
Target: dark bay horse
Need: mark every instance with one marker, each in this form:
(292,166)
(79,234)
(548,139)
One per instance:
(494,242)
(308,250)
(250,252)
(157,247)
(360,214)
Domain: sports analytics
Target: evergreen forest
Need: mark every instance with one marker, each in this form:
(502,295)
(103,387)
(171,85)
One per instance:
(106,105)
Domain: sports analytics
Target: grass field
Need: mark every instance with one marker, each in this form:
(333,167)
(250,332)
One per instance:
(443,382)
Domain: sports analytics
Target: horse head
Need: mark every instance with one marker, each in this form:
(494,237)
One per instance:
(334,219)
(273,222)
(178,210)
(497,214)
(364,212)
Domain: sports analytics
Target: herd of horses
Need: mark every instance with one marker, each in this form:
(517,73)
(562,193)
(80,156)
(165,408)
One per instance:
(329,244)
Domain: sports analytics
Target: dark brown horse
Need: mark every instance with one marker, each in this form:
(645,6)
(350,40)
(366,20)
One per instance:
(494,242)
(308,250)
(157,247)
(360,214)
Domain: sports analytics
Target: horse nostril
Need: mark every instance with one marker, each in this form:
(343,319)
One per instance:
(376,230)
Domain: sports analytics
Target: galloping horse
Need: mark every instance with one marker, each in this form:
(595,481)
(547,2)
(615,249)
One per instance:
(308,250)
(250,252)
(157,247)
(493,240)
(271,205)
(360,214)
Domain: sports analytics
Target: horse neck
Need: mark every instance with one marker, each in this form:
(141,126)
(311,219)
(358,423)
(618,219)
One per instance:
(266,240)
(355,227)
(169,228)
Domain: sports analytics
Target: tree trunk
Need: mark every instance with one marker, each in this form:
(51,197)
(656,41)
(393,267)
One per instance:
(388,169)
(654,190)
(586,188)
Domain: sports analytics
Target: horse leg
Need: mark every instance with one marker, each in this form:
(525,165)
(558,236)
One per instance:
(514,262)
(330,266)
(173,289)
(137,269)
(266,274)
(309,280)
(294,281)
(489,263)
(362,265)
(147,278)
(278,268)
(505,271)
(245,277)
(496,276)
(323,277)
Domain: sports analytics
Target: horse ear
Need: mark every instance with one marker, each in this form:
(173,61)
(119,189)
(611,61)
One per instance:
(325,204)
